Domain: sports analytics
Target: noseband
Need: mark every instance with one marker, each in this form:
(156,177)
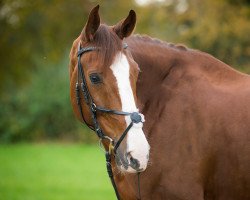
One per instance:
(81,85)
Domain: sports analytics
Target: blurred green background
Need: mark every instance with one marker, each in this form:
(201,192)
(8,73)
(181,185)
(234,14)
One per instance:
(44,150)
(36,36)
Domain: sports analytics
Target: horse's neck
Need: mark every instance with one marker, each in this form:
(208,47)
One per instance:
(163,65)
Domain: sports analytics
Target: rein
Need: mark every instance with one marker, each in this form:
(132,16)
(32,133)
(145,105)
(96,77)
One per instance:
(81,85)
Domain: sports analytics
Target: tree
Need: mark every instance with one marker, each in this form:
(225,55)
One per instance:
(35,39)
(32,30)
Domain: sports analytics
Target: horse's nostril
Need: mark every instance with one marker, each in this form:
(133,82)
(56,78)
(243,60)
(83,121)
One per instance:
(134,163)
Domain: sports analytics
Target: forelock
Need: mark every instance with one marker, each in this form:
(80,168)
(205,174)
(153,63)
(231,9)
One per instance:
(108,44)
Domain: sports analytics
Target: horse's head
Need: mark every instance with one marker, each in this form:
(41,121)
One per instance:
(111,75)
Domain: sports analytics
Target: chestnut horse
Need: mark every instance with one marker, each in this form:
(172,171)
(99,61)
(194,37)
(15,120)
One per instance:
(196,134)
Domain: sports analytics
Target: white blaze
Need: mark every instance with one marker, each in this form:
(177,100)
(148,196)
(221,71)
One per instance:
(137,144)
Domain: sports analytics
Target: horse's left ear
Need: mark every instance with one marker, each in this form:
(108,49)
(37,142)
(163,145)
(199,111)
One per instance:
(125,27)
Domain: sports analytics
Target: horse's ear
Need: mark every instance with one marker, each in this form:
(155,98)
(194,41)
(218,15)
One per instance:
(92,25)
(125,27)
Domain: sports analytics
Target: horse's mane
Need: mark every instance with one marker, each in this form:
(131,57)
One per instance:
(155,41)
(209,65)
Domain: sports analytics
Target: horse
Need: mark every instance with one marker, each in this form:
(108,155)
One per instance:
(195,141)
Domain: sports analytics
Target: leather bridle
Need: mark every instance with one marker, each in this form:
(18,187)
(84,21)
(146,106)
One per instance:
(81,85)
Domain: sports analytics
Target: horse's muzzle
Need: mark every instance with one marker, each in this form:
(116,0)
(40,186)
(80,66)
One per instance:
(127,163)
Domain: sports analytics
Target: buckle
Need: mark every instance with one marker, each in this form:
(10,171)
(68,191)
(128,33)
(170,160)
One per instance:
(93,107)
(111,144)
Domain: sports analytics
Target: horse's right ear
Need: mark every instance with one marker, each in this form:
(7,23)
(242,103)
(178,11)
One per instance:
(92,25)
(125,27)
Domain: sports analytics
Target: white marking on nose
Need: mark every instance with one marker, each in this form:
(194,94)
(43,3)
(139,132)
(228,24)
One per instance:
(137,144)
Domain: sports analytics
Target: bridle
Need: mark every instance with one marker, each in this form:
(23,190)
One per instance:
(136,117)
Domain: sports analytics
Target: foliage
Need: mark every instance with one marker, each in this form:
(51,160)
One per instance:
(42,109)
(220,32)
(219,27)
(35,36)
(41,28)
(31,29)
(53,172)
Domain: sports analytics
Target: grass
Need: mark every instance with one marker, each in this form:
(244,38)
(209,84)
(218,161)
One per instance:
(53,172)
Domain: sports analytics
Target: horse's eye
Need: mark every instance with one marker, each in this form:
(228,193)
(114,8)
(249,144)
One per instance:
(95,78)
